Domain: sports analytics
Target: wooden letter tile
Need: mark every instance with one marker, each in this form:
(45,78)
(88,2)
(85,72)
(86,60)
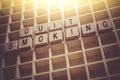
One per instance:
(25,43)
(11,46)
(28,31)
(104,25)
(41,39)
(88,29)
(72,33)
(41,28)
(55,36)
(71,22)
(55,25)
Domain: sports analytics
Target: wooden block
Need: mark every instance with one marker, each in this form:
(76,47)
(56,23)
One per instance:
(41,28)
(55,25)
(89,29)
(72,33)
(104,25)
(11,46)
(72,21)
(41,39)
(28,31)
(55,36)
(25,43)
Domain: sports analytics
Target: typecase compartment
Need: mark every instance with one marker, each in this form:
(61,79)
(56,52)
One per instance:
(15,26)
(42,77)
(57,49)
(42,66)
(17,2)
(96,70)
(90,42)
(107,38)
(93,55)
(41,11)
(16,17)
(17,8)
(58,62)
(41,52)
(78,73)
(5,11)
(25,78)
(13,35)
(9,73)
(84,10)
(6,3)
(111,51)
(113,66)
(29,5)
(115,12)
(117,23)
(69,13)
(2,39)
(4,20)
(3,29)
(10,58)
(26,56)
(28,22)
(76,59)
(25,69)
(55,16)
(60,75)
(73,45)
(113,3)
(42,19)
(28,14)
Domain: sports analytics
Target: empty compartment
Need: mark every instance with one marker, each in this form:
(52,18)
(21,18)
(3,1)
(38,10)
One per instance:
(99,6)
(55,16)
(58,62)
(29,14)
(26,78)
(5,11)
(16,17)
(55,7)
(113,3)
(17,8)
(115,77)
(29,5)
(86,19)
(73,45)
(69,13)
(42,11)
(25,69)
(112,51)
(42,77)
(13,35)
(118,34)
(93,55)
(17,2)
(84,10)
(10,58)
(76,59)
(117,23)
(4,20)
(28,22)
(26,1)
(2,39)
(42,52)
(107,38)
(90,42)
(26,56)
(42,19)
(3,29)
(69,4)
(57,49)
(96,70)
(6,3)
(41,3)
(1,51)
(101,15)
(15,26)
(78,73)
(42,66)
(115,12)
(9,73)
(114,66)
(60,75)
(82,2)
